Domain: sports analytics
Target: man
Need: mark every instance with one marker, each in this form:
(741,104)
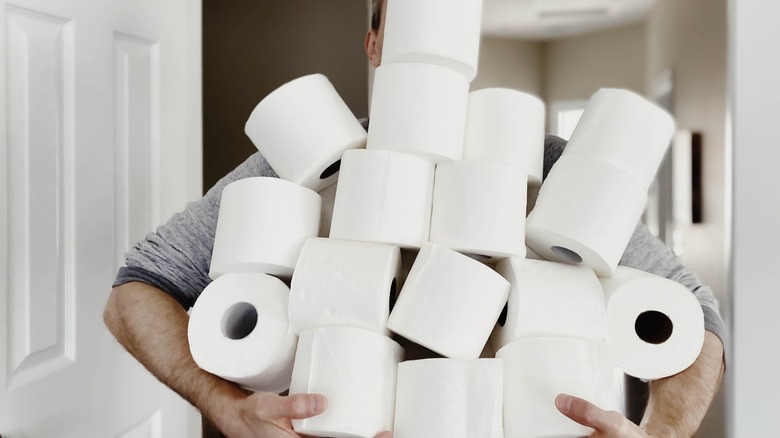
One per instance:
(168,270)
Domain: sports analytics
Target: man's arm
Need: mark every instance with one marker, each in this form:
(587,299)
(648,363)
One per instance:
(677,400)
(682,400)
(152,326)
(677,403)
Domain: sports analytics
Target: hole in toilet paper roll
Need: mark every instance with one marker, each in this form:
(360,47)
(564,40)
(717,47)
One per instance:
(331,170)
(653,327)
(393,294)
(503,315)
(239,321)
(566,254)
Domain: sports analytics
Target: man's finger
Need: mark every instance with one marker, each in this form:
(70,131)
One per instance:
(294,406)
(385,435)
(586,413)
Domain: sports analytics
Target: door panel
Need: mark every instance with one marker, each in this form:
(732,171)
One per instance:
(136,97)
(39,132)
(98,100)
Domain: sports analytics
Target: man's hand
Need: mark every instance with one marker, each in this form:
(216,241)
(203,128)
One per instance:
(267,415)
(605,424)
(677,403)
(152,326)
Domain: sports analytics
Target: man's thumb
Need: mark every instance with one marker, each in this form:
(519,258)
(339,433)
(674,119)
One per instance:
(302,405)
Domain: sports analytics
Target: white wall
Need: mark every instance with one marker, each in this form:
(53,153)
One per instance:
(754,396)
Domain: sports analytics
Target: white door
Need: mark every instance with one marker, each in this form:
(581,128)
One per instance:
(99,140)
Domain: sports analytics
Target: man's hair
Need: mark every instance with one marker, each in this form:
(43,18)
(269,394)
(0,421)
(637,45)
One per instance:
(376,15)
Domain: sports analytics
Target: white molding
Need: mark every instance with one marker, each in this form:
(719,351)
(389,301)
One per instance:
(556,107)
(752,393)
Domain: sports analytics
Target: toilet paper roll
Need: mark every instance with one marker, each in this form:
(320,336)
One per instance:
(655,326)
(550,299)
(262,226)
(384,197)
(420,109)
(610,380)
(625,130)
(586,212)
(439,32)
(356,370)
(302,128)
(449,398)
(238,330)
(479,208)
(536,370)
(507,126)
(344,283)
(449,303)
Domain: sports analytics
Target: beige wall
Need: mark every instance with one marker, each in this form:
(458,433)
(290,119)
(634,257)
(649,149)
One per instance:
(510,64)
(690,37)
(577,67)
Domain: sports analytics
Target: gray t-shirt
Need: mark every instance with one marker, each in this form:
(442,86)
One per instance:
(176,257)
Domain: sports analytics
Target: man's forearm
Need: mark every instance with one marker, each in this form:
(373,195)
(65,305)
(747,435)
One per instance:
(678,403)
(152,326)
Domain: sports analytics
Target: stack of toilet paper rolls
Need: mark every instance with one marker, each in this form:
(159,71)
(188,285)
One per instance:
(239,328)
(407,189)
(597,173)
(446,176)
(341,295)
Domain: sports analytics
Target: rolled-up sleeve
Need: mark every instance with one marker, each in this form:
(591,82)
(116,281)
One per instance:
(176,257)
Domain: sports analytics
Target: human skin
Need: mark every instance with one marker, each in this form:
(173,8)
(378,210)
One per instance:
(677,404)
(152,326)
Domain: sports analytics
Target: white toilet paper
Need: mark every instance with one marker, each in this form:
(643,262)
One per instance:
(344,283)
(384,197)
(625,130)
(439,32)
(356,370)
(610,380)
(507,126)
(536,370)
(302,128)
(420,109)
(262,226)
(449,303)
(655,326)
(479,208)
(238,330)
(449,398)
(550,299)
(586,212)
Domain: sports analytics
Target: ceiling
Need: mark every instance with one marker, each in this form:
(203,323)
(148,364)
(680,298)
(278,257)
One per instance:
(550,19)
